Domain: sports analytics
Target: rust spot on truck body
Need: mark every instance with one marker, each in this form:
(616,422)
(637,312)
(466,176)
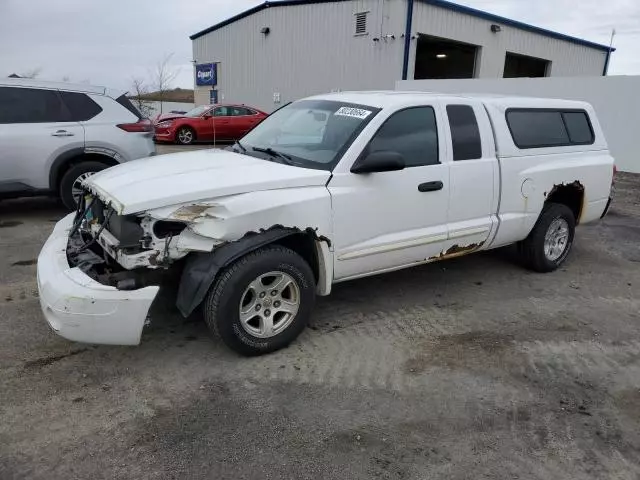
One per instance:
(189,213)
(457,251)
(576,185)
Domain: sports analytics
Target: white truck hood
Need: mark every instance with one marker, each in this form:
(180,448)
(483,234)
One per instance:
(185,177)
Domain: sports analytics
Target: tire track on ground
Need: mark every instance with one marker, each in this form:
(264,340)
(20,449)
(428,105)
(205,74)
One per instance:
(373,348)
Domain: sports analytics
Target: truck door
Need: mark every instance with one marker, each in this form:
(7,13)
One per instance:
(474,177)
(389,220)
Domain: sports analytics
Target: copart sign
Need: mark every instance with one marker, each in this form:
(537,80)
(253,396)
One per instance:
(207,74)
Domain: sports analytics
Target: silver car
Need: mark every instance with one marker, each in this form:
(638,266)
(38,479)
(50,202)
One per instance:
(54,135)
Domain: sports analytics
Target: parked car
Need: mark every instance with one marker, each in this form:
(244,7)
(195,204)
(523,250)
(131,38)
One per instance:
(54,135)
(327,189)
(208,123)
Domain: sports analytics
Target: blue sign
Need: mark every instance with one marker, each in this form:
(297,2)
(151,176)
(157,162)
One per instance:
(207,74)
(213,96)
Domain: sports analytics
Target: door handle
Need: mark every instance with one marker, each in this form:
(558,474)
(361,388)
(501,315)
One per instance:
(430,186)
(62,133)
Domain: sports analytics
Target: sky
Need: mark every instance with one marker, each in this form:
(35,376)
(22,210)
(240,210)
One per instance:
(111,42)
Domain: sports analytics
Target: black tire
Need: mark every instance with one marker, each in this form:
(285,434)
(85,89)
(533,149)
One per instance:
(532,250)
(185,140)
(65,189)
(221,307)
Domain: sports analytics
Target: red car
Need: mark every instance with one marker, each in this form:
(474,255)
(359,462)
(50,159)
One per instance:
(207,123)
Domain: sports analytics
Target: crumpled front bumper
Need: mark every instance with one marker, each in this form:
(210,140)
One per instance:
(82,309)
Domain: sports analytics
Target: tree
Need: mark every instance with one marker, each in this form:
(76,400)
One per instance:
(33,73)
(163,76)
(140,89)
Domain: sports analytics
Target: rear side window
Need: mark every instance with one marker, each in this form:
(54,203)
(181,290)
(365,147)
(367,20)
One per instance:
(240,111)
(126,103)
(537,128)
(465,134)
(413,133)
(30,105)
(80,106)
(578,127)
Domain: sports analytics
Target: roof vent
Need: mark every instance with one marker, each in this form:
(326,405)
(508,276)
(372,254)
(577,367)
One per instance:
(361,23)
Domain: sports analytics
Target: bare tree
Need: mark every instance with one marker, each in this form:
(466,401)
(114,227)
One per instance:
(140,90)
(33,73)
(163,77)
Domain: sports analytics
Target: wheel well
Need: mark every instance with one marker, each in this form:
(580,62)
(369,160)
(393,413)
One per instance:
(304,245)
(571,195)
(58,173)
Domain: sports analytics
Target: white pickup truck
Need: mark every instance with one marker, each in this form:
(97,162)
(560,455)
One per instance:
(326,189)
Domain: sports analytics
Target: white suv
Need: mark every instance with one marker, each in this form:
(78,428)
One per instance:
(54,135)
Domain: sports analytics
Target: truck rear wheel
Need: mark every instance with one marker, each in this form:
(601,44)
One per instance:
(262,302)
(549,243)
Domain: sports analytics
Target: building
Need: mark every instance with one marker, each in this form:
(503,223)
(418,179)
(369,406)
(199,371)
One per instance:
(280,51)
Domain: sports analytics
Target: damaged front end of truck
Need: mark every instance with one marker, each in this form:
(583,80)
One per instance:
(101,269)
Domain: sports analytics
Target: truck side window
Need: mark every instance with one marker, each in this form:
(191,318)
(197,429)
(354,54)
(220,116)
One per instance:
(465,134)
(413,133)
(538,128)
(579,127)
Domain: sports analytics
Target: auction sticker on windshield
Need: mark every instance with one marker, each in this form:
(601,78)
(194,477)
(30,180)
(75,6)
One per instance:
(353,112)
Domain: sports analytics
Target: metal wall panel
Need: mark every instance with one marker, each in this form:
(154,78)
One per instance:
(312,49)
(567,58)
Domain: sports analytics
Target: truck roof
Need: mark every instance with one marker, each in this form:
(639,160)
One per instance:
(393,98)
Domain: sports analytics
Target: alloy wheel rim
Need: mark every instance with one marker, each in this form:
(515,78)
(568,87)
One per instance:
(269,304)
(185,136)
(76,188)
(556,239)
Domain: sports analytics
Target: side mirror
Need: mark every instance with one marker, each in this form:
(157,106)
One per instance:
(382,161)
(207,117)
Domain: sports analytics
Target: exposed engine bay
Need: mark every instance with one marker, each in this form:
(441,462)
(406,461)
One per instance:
(124,251)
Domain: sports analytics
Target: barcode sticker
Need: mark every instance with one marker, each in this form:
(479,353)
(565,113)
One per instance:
(353,112)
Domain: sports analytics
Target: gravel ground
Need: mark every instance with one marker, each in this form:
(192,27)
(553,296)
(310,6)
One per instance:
(471,368)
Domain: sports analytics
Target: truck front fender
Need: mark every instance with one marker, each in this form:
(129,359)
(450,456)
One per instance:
(201,269)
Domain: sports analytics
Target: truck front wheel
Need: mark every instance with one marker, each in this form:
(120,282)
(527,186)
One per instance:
(262,302)
(550,241)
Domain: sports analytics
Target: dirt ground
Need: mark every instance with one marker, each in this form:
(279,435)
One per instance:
(471,368)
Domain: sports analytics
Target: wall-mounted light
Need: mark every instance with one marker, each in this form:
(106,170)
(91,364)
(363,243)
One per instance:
(441,55)
(496,28)
(265,30)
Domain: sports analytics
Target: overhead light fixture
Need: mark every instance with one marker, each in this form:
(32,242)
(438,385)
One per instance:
(441,55)
(496,28)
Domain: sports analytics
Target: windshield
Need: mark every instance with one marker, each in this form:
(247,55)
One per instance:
(196,112)
(311,133)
